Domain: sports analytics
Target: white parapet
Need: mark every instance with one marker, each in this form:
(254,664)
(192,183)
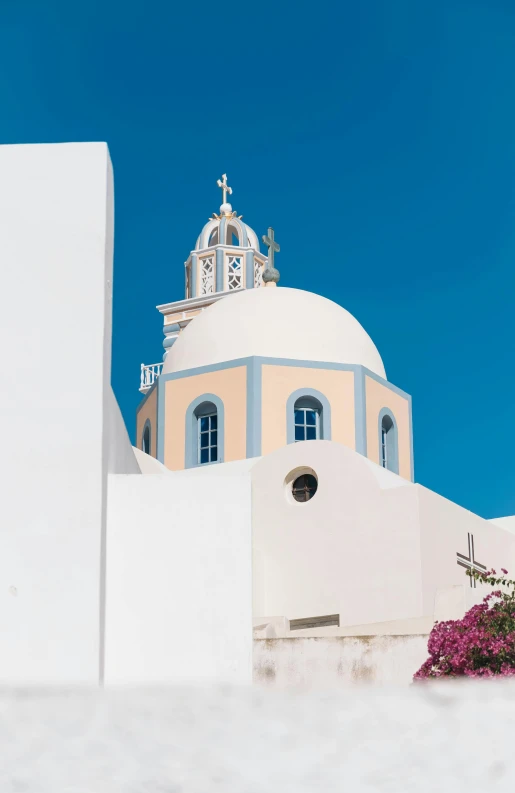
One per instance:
(56,244)
(149,375)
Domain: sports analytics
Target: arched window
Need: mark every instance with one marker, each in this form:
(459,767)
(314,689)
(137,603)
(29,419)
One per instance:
(388,443)
(204,431)
(308,416)
(207,433)
(145,443)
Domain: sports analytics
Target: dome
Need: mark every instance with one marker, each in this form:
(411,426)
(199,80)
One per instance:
(274,323)
(227,229)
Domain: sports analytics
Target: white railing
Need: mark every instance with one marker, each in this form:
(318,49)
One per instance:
(149,375)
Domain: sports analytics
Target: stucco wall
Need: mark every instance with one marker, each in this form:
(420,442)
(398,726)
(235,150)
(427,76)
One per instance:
(121,457)
(179,594)
(278,382)
(353,550)
(336,662)
(444,528)
(379,396)
(56,240)
(230,385)
(148,410)
(448,736)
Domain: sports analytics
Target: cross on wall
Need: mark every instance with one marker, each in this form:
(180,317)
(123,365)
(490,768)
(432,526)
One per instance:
(469,562)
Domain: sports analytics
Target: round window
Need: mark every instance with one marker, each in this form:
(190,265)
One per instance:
(304,487)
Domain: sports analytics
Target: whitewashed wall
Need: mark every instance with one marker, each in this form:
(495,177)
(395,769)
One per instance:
(179,573)
(369,546)
(352,550)
(56,240)
(444,530)
(418,739)
(338,661)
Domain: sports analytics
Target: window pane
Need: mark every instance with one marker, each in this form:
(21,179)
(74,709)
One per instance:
(204,423)
(299,434)
(214,454)
(299,417)
(311,417)
(214,422)
(304,488)
(311,433)
(214,439)
(204,439)
(204,455)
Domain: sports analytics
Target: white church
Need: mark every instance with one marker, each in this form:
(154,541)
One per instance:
(267,525)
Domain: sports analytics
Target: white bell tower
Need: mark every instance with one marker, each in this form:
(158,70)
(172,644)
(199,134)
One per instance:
(226,259)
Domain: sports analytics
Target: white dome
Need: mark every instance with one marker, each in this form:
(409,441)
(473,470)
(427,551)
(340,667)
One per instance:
(275,323)
(216,232)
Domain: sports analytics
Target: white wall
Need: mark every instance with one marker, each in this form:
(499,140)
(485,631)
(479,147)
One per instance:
(352,550)
(336,662)
(444,528)
(122,458)
(361,548)
(419,739)
(179,579)
(507,523)
(56,235)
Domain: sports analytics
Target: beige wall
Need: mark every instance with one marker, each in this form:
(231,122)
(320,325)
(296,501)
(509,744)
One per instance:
(180,316)
(378,397)
(230,385)
(148,411)
(281,381)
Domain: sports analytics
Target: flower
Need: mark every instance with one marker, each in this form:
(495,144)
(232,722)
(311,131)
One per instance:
(482,644)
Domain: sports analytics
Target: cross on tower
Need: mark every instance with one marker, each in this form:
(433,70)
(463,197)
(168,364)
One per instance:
(225,187)
(469,562)
(272,245)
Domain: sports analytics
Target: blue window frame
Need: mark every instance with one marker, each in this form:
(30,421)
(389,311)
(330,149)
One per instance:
(307,423)
(308,416)
(388,442)
(204,431)
(208,438)
(145,442)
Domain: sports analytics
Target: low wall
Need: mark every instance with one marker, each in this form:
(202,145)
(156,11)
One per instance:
(223,739)
(338,661)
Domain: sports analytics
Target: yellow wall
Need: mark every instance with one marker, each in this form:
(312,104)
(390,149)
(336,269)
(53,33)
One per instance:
(148,411)
(379,396)
(281,381)
(230,385)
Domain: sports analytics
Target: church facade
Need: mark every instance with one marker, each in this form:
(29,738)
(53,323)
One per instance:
(265,525)
(268,366)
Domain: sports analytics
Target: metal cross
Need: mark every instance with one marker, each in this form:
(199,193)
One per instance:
(272,245)
(225,187)
(469,562)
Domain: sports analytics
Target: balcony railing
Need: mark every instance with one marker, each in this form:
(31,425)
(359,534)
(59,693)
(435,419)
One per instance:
(149,375)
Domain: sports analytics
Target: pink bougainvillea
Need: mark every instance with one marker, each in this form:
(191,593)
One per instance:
(482,644)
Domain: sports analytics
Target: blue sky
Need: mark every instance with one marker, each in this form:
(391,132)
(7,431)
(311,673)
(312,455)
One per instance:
(376,137)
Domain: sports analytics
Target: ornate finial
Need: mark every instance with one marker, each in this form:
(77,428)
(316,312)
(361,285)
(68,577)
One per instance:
(270,274)
(222,183)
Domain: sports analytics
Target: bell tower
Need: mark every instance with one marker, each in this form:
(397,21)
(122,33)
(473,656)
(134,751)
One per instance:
(226,256)
(226,259)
